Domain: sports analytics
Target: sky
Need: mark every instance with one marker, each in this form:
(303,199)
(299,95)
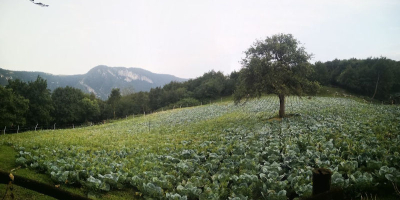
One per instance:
(187,38)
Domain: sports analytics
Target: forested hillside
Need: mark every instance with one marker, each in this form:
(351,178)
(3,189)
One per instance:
(377,78)
(99,80)
(32,103)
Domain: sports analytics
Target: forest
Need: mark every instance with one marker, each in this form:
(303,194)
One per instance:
(31,104)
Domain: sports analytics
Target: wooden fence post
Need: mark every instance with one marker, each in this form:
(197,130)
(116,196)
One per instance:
(18,129)
(5,130)
(36,126)
(54,126)
(321,180)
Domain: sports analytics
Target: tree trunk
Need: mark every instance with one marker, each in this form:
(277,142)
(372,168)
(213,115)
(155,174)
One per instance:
(281,106)
(376,87)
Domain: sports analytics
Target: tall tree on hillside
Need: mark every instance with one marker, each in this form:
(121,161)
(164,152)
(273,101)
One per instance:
(114,98)
(90,109)
(230,83)
(396,73)
(276,65)
(126,106)
(320,73)
(350,79)
(67,107)
(211,85)
(141,100)
(383,76)
(13,108)
(373,77)
(18,86)
(40,102)
(155,98)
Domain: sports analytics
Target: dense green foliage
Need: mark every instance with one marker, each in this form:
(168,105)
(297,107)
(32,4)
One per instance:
(223,151)
(211,86)
(377,78)
(276,65)
(12,108)
(68,106)
(40,103)
(71,105)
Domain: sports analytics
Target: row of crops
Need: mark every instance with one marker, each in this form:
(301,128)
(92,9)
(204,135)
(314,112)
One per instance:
(225,151)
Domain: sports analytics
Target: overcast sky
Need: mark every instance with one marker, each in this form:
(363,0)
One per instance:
(187,38)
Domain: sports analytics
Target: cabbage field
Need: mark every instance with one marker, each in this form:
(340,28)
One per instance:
(225,151)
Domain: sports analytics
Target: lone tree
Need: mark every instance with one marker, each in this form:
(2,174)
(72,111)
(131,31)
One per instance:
(277,65)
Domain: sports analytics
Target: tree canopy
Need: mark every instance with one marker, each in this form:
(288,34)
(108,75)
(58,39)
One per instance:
(71,106)
(40,103)
(372,77)
(277,65)
(13,108)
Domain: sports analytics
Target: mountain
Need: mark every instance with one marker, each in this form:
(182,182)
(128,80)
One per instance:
(99,80)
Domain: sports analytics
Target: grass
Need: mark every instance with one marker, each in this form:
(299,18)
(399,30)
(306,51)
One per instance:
(326,91)
(7,163)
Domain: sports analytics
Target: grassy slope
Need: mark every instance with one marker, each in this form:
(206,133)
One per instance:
(326,91)
(8,154)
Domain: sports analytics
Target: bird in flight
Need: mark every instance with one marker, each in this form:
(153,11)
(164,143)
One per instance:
(39,4)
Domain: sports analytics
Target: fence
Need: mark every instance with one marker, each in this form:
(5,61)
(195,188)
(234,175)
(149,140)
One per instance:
(38,127)
(20,129)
